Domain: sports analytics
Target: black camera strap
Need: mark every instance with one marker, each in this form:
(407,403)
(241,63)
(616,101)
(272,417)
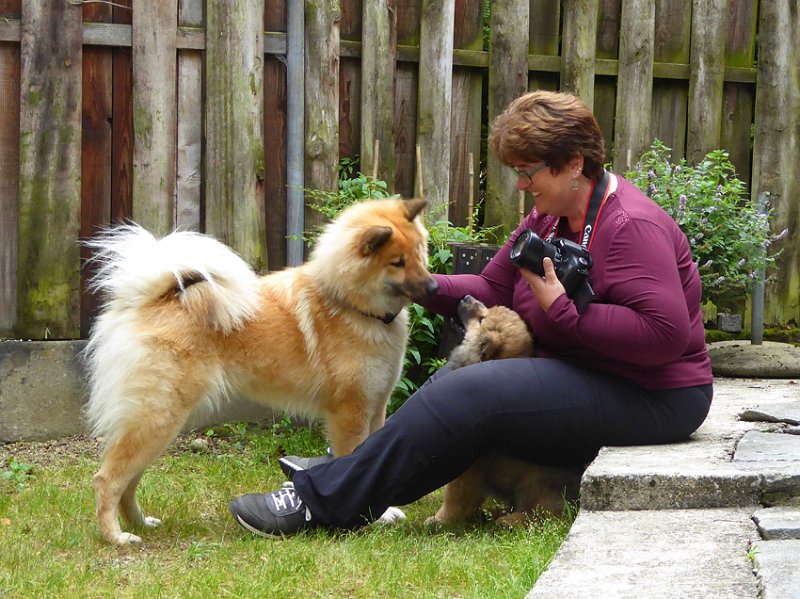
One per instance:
(597,199)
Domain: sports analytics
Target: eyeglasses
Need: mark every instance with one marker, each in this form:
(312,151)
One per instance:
(528,174)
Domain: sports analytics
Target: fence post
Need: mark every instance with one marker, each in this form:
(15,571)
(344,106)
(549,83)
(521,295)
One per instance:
(635,82)
(295,130)
(48,262)
(433,111)
(235,127)
(154,123)
(757,296)
(508,79)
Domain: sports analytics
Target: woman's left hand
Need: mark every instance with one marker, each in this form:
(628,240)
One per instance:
(547,288)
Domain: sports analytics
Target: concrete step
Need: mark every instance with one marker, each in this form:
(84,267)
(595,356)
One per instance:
(663,554)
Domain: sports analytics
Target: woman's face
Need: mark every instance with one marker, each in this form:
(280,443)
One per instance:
(551,192)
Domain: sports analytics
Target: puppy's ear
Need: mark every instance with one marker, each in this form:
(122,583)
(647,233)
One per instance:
(373,238)
(491,346)
(414,207)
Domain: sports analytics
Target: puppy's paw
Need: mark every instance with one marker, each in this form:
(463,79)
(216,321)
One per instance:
(434,522)
(513,520)
(391,515)
(150,522)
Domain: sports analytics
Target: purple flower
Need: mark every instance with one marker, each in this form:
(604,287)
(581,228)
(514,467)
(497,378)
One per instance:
(740,263)
(707,264)
(651,174)
(782,234)
(719,280)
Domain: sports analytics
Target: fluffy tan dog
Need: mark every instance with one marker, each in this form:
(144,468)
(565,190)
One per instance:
(187,322)
(491,334)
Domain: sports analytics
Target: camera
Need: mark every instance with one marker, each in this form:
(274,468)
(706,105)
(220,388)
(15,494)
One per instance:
(571,261)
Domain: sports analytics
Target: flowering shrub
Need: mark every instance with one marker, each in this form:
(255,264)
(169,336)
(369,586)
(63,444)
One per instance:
(728,236)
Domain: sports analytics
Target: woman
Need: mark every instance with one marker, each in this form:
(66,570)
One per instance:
(630,369)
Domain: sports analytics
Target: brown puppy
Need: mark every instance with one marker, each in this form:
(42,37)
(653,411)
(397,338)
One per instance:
(491,334)
(187,322)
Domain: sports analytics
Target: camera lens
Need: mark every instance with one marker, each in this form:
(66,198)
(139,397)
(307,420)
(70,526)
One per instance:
(519,244)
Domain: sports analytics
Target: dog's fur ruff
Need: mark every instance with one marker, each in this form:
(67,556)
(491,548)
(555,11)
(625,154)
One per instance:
(188,322)
(526,488)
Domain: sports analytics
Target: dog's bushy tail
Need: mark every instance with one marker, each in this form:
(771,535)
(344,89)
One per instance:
(134,269)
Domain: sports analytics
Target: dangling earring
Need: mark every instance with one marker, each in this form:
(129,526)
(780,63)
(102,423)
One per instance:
(574,184)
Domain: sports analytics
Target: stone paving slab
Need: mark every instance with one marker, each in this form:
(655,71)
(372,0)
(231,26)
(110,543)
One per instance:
(778,523)
(777,569)
(666,554)
(755,446)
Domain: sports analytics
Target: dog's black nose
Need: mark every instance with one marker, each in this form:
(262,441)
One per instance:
(431,287)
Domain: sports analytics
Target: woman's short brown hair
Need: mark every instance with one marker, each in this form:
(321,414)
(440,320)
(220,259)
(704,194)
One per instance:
(551,127)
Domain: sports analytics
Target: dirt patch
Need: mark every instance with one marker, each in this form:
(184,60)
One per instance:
(54,452)
(72,450)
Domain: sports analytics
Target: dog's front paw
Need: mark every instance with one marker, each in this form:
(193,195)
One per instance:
(150,522)
(391,515)
(127,538)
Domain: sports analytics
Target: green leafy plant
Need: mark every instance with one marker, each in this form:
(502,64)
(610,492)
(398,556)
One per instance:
(729,238)
(18,473)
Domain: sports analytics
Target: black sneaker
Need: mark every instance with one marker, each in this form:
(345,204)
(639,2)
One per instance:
(291,463)
(279,513)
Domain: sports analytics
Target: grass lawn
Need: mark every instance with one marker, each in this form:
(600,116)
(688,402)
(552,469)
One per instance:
(50,547)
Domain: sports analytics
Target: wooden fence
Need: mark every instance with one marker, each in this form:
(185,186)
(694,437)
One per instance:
(174,113)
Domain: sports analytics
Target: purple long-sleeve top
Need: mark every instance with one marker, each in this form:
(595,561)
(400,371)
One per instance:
(645,323)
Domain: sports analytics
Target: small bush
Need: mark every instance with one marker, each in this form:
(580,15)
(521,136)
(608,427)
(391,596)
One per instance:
(728,236)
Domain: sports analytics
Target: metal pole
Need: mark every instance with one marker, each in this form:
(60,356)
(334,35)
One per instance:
(295,144)
(757,303)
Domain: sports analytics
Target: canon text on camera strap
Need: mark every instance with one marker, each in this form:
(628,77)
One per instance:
(597,199)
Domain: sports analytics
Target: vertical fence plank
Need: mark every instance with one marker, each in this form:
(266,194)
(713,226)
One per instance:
(578,49)
(154,70)
(544,36)
(48,261)
(435,95)
(378,60)
(350,82)
(673,23)
(465,116)
(706,78)
(9,173)
(122,123)
(234,127)
(95,152)
(189,167)
(322,99)
(605,89)
(776,143)
(508,79)
(635,82)
(405,101)
(738,99)
(275,132)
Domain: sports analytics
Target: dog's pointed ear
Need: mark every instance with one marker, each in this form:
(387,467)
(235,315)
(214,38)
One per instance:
(373,238)
(414,207)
